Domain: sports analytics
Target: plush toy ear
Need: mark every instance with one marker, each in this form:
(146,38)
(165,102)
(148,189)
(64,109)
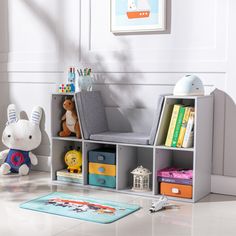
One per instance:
(36,115)
(11,114)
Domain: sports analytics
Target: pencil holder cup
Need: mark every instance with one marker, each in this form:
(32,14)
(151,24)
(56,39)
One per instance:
(84,83)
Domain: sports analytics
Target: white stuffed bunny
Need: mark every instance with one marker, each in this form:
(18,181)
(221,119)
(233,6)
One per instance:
(20,136)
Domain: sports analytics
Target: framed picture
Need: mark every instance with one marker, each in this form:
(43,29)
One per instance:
(137,15)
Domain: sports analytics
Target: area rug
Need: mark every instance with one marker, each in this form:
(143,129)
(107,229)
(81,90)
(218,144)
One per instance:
(83,208)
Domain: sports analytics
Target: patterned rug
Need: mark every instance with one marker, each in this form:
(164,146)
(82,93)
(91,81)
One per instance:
(83,208)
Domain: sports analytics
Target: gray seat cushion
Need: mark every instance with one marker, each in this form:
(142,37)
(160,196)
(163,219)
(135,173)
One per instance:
(92,113)
(132,138)
(95,126)
(156,119)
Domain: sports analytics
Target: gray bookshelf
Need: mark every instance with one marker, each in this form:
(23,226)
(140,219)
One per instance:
(153,157)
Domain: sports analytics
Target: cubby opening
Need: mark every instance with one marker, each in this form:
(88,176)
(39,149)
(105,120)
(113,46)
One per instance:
(56,115)
(90,146)
(61,147)
(172,158)
(129,158)
(166,116)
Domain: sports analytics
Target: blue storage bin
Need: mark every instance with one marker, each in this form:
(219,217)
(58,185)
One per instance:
(105,156)
(102,180)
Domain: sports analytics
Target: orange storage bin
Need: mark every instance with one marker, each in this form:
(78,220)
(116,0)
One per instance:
(176,190)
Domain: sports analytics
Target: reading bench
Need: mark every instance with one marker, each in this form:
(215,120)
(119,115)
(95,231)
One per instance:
(94,122)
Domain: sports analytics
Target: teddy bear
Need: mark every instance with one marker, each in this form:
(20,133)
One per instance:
(69,120)
(20,136)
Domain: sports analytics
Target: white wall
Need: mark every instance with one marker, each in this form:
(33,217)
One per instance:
(41,38)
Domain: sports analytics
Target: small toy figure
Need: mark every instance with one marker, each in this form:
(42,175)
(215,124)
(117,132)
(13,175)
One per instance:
(20,136)
(160,204)
(141,179)
(66,88)
(70,122)
(73,159)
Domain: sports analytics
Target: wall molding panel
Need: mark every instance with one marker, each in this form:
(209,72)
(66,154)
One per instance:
(45,39)
(157,52)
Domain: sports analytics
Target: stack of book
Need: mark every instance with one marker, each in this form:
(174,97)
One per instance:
(64,175)
(180,132)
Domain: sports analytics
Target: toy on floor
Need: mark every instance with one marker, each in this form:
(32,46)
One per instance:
(160,204)
(70,122)
(20,136)
(73,159)
(189,85)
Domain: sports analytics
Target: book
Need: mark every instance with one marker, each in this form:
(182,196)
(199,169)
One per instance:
(171,129)
(188,137)
(65,173)
(175,180)
(184,126)
(70,180)
(178,126)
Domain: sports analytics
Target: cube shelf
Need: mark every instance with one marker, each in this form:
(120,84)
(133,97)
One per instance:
(128,159)
(168,158)
(60,147)
(154,157)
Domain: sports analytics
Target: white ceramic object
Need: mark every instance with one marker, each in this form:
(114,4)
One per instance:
(141,179)
(189,85)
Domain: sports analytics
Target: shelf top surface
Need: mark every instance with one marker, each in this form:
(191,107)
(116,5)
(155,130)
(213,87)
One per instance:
(71,94)
(175,148)
(74,139)
(120,144)
(167,96)
(188,97)
(67,138)
(100,142)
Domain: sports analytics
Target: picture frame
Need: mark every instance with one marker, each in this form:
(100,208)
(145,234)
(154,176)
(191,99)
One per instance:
(137,16)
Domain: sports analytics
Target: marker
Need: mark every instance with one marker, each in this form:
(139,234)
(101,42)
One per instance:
(89,71)
(85,70)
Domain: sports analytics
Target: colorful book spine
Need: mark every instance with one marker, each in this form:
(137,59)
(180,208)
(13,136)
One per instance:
(171,129)
(184,126)
(178,126)
(188,137)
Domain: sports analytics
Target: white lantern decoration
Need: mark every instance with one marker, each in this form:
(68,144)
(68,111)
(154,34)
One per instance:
(141,180)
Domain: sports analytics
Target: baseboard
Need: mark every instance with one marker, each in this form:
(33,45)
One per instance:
(223,185)
(44,164)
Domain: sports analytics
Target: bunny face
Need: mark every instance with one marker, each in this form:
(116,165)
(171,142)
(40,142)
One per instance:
(22,135)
